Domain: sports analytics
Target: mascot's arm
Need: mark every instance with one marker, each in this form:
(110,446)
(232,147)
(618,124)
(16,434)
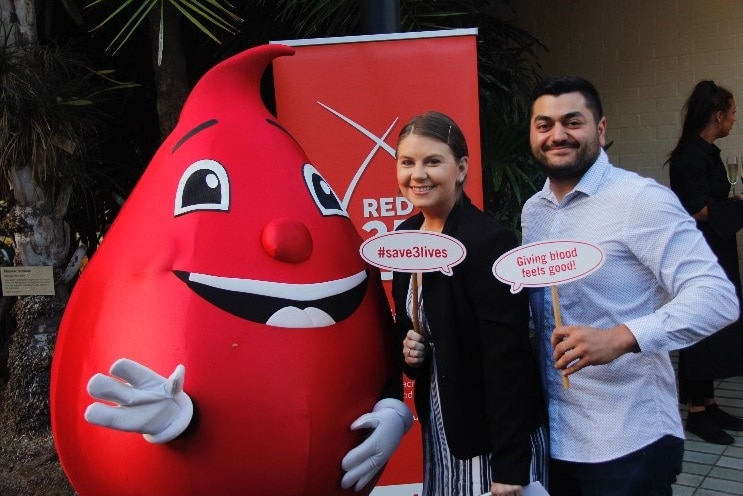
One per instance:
(145,402)
(389,420)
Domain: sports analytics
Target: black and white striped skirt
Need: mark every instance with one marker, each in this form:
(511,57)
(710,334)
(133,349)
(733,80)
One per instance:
(446,475)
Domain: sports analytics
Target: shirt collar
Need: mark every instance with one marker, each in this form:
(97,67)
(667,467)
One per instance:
(589,184)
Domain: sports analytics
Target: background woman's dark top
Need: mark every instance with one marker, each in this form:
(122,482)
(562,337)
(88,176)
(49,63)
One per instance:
(698,178)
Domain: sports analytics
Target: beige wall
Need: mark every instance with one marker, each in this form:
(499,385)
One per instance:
(644,57)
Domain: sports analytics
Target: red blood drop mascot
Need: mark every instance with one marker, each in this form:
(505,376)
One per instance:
(227,334)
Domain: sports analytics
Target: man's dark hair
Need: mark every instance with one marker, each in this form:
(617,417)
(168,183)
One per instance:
(560,85)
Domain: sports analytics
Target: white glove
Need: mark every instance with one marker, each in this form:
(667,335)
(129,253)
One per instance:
(147,402)
(390,419)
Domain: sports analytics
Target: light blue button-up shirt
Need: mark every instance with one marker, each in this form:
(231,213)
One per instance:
(659,278)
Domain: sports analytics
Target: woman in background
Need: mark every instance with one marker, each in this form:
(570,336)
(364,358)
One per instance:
(699,179)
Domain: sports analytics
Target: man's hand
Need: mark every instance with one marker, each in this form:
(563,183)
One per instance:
(579,346)
(145,402)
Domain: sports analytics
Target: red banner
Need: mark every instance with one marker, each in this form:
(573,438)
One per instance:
(345,101)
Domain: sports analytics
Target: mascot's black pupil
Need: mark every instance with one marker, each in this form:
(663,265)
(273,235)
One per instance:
(201,188)
(324,194)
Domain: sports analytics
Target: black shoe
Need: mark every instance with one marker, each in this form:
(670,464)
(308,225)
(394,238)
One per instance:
(724,419)
(702,425)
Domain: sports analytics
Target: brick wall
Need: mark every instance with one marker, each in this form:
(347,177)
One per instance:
(644,57)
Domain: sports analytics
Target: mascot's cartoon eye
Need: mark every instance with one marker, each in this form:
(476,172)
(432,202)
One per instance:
(203,186)
(325,198)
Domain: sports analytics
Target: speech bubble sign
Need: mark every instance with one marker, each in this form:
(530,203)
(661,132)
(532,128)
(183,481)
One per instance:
(413,251)
(547,263)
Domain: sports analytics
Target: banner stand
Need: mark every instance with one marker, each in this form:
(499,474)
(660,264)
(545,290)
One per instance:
(345,100)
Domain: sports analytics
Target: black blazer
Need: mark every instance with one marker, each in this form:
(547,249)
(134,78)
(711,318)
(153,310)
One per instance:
(490,393)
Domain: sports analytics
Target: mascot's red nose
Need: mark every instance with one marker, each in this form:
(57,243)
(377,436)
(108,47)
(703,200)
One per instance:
(287,240)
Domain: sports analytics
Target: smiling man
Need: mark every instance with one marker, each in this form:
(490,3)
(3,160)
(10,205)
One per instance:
(616,431)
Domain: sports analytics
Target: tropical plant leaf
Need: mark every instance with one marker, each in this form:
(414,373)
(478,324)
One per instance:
(206,15)
(49,98)
(73,11)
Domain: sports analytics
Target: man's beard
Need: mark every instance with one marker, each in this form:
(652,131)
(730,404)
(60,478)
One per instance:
(575,169)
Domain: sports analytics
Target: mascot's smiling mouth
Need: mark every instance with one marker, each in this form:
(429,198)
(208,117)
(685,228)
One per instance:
(281,304)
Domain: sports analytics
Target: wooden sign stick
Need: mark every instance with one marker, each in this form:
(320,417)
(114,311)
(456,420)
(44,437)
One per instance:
(558,322)
(416,322)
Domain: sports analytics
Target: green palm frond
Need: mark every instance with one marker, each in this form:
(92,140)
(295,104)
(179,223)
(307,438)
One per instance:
(73,11)
(507,162)
(317,18)
(206,15)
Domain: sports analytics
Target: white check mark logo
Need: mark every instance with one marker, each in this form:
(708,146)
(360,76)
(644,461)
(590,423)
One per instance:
(378,143)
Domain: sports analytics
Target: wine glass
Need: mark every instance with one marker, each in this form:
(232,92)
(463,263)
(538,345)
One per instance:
(731,167)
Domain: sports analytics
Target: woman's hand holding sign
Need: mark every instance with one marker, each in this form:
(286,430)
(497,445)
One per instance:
(579,346)
(414,349)
(414,252)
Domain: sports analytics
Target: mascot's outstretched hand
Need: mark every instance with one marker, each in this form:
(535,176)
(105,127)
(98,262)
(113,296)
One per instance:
(147,402)
(390,419)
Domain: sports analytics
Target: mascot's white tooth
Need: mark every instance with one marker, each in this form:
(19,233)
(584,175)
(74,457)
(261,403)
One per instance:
(294,317)
(319,318)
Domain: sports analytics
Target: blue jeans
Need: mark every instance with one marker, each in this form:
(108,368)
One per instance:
(649,471)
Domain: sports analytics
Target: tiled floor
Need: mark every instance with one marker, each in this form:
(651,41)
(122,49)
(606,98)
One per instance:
(710,469)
